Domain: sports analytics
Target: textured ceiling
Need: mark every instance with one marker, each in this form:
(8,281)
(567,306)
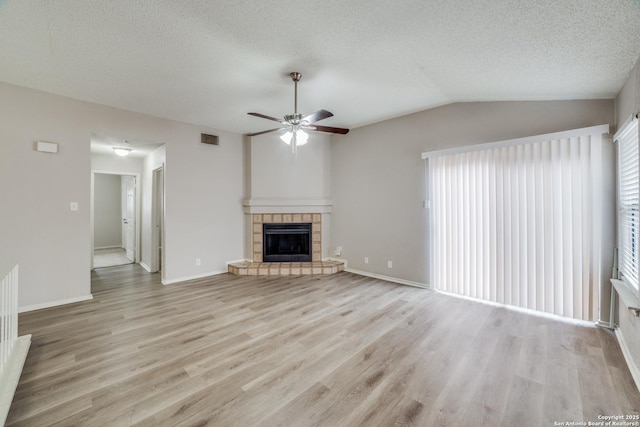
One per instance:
(209,62)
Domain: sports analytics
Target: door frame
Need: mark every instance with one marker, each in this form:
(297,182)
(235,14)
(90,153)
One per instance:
(92,212)
(157,221)
(124,197)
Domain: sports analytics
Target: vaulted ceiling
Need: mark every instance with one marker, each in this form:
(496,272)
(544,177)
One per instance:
(209,62)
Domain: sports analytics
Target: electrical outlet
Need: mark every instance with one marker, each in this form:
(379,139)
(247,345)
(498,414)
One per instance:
(389,264)
(366,260)
(197,262)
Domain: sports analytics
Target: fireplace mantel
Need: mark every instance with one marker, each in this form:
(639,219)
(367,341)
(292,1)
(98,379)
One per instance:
(287,205)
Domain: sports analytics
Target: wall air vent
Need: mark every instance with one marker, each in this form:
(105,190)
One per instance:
(209,139)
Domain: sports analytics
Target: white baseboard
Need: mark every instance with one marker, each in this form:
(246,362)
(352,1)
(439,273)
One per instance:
(54,303)
(387,278)
(145,266)
(197,276)
(108,247)
(633,368)
(11,374)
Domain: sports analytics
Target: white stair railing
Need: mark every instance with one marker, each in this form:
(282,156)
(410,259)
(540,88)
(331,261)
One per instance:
(8,316)
(13,350)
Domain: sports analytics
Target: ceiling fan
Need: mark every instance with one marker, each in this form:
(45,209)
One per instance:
(296,123)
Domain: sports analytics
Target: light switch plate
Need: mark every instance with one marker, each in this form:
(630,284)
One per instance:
(73,206)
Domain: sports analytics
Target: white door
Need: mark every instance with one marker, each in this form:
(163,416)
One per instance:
(129,216)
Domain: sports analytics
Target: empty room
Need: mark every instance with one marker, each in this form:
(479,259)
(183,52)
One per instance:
(286,213)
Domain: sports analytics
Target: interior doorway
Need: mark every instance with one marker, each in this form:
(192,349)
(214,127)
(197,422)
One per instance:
(114,219)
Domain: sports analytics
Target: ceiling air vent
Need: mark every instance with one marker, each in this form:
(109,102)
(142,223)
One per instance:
(209,139)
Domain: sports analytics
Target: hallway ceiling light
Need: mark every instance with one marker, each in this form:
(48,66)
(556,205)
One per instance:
(122,151)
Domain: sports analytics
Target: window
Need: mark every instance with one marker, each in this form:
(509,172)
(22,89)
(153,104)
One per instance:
(628,203)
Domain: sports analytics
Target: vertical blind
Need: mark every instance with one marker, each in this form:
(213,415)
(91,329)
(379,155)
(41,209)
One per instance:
(628,202)
(515,222)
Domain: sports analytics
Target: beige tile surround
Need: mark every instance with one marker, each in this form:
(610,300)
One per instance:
(287,218)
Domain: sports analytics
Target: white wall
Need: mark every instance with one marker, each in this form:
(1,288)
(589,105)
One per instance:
(107,211)
(378,177)
(203,205)
(278,174)
(204,191)
(628,99)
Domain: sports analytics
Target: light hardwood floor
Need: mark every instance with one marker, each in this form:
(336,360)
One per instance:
(339,350)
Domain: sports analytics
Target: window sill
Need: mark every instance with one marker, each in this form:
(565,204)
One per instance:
(627,295)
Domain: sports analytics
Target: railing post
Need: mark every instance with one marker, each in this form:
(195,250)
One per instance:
(13,350)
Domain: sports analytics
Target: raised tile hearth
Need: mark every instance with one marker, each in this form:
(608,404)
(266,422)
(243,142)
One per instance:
(247,268)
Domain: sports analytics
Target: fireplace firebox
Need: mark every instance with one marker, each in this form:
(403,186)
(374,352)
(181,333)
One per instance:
(287,242)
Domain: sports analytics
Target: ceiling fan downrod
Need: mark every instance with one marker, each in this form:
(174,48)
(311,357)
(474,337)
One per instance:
(295,76)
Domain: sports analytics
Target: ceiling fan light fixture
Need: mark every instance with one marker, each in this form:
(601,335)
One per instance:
(301,137)
(286,137)
(121,151)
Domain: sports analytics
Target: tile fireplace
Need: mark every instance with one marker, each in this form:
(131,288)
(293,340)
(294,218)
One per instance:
(303,224)
(259,220)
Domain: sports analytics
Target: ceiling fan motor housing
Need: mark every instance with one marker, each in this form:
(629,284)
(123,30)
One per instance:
(294,119)
(295,76)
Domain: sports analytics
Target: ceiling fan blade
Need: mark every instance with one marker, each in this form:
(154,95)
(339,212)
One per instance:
(267,117)
(341,131)
(264,131)
(317,116)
